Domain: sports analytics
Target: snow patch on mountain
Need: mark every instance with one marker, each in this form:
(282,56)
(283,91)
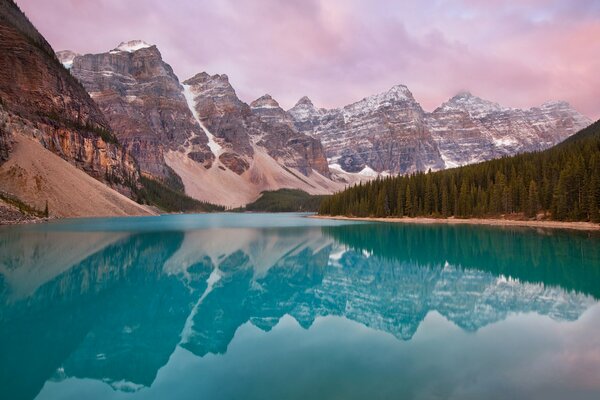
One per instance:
(66,57)
(191,102)
(131,46)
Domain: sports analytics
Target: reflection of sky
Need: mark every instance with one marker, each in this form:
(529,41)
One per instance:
(524,356)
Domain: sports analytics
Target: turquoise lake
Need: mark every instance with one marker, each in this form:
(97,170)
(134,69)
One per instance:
(280,306)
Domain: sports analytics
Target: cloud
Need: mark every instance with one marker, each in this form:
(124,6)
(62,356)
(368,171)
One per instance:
(338,51)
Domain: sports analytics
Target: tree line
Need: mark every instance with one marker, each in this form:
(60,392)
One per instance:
(562,183)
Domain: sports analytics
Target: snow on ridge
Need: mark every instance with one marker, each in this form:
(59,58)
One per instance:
(264,106)
(131,46)
(215,147)
(366,172)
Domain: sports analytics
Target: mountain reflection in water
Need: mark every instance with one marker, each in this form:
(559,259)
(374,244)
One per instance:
(114,305)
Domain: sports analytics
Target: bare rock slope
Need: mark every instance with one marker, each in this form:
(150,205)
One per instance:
(40,100)
(390,133)
(223,150)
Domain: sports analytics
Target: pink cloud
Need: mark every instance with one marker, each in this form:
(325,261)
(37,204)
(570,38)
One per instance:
(338,51)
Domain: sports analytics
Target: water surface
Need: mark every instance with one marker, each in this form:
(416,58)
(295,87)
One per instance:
(259,306)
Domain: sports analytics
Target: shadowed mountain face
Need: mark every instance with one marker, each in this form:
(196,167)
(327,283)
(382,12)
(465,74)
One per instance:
(40,99)
(115,305)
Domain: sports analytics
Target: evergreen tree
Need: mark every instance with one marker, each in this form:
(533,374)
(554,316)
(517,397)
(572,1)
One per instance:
(408,207)
(533,204)
(562,182)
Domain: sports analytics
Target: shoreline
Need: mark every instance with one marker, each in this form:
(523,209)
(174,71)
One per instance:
(580,226)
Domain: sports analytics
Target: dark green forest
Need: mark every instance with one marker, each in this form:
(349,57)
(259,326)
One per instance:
(168,199)
(561,183)
(285,200)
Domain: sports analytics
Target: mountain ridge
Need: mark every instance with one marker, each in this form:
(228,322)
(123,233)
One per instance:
(388,133)
(42,101)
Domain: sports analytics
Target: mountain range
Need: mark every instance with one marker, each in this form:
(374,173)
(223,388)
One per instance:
(124,114)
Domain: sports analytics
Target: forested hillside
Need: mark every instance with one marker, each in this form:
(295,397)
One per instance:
(562,183)
(285,200)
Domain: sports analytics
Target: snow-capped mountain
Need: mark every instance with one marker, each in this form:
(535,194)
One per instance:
(66,57)
(468,129)
(384,132)
(144,103)
(223,150)
(228,152)
(390,133)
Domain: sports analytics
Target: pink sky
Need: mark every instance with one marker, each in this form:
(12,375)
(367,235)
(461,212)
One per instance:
(518,53)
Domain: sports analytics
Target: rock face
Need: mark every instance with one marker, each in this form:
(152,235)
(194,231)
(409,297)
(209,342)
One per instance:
(469,129)
(224,150)
(66,57)
(384,132)
(238,128)
(256,147)
(390,132)
(275,131)
(144,103)
(40,99)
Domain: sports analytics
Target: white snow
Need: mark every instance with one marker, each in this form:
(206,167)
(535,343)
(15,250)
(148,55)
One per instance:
(337,254)
(68,64)
(126,386)
(188,328)
(264,106)
(377,101)
(189,98)
(368,172)
(505,142)
(131,46)
(447,162)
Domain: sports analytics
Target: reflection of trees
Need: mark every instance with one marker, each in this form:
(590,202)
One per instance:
(570,260)
(118,313)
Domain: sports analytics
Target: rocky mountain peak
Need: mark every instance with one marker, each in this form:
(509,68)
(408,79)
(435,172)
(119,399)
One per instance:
(304,101)
(132,45)
(204,77)
(399,96)
(66,57)
(467,102)
(400,91)
(265,101)
(556,104)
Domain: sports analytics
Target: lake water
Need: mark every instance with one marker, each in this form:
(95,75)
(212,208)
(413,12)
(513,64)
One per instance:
(231,306)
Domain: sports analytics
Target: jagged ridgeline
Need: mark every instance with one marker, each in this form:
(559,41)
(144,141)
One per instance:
(562,182)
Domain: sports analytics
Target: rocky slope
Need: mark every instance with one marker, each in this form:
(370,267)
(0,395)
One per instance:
(385,132)
(239,128)
(390,132)
(469,129)
(41,100)
(144,103)
(223,150)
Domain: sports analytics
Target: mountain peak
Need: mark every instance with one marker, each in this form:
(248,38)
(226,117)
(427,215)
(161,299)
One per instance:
(132,46)
(475,105)
(66,57)
(265,101)
(304,101)
(556,104)
(205,77)
(399,89)
(463,94)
